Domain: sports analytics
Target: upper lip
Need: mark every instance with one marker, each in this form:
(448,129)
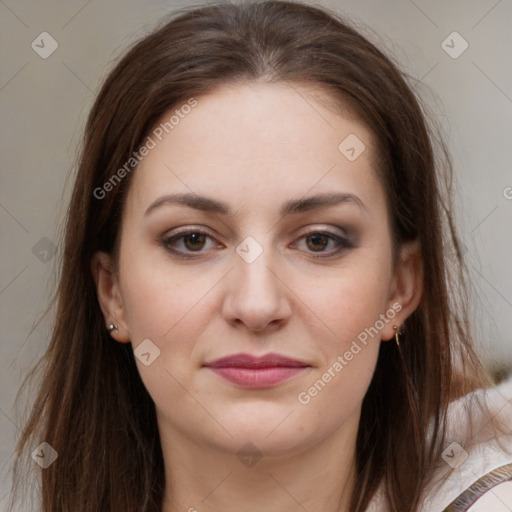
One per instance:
(250,361)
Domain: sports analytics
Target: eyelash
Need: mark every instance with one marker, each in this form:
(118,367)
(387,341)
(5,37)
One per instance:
(166,242)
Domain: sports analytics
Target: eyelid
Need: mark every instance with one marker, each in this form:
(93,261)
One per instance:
(327,230)
(186,230)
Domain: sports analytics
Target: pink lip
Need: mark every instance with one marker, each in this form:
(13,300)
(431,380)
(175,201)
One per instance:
(257,372)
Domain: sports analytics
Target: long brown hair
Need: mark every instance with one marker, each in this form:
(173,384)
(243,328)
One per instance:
(92,406)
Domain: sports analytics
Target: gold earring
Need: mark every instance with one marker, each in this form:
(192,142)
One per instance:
(397,333)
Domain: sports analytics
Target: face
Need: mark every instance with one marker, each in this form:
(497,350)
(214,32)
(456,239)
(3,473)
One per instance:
(276,244)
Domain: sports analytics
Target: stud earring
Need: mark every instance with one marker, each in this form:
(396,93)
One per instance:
(111,327)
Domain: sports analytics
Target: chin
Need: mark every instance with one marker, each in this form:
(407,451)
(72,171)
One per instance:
(273,429)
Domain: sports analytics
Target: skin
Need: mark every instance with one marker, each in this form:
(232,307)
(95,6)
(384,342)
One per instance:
(255,146)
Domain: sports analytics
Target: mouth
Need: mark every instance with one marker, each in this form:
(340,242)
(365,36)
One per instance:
(254,372)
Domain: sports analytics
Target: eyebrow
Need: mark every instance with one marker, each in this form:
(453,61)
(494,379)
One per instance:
(294,206)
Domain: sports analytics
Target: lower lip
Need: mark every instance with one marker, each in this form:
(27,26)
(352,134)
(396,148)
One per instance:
(258,378)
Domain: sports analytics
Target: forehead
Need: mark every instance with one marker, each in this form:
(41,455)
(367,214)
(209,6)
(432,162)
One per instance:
(256,139)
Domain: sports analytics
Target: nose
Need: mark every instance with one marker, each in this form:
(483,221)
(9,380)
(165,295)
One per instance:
(257,296)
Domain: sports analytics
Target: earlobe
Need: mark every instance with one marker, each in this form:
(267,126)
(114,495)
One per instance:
(109,296)
(406,287)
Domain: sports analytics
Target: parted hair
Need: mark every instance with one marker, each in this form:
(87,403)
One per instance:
(91,405)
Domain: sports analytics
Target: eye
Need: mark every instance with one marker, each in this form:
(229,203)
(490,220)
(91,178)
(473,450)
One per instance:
(188,241)
(321,241)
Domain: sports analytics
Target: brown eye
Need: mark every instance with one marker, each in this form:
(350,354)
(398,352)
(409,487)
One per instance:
(323,244)
(189,241)
(317,241)
(194,241)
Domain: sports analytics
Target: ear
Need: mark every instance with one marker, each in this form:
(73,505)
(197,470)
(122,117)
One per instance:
(406,286)
(109,296)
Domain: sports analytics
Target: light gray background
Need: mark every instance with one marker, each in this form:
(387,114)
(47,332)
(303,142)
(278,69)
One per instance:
(44,104)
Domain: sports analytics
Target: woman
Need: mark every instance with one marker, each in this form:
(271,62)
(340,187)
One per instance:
(255,308)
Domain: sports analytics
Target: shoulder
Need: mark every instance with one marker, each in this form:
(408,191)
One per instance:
(477,461)
(492,491)
(497,499)
(475,473)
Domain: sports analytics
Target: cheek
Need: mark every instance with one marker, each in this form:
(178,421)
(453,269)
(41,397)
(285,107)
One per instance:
(352,308)
(350,347)
(351,301)
(157,298)
(170,308)
(350,305)
(336,394)
(170,314)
